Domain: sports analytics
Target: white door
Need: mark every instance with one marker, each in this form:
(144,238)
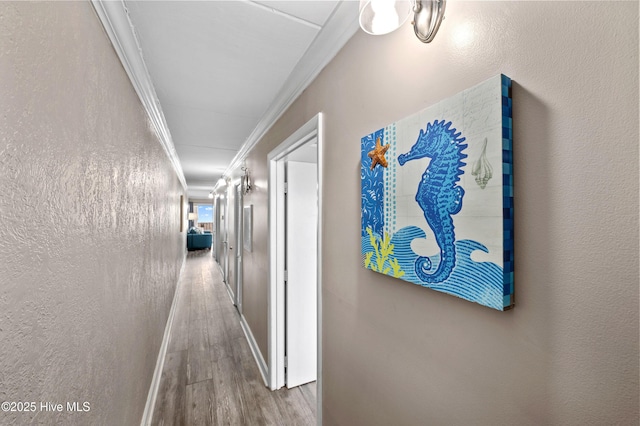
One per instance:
(301,273)
(239,250)
(223,258)
(230,259)
(218,237)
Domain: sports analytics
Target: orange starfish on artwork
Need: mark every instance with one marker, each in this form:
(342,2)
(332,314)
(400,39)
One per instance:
(377,155)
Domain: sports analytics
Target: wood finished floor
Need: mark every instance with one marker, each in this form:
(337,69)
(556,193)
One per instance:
(209,375)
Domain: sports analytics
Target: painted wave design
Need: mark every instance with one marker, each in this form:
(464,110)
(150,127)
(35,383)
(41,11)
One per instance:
(479,282)
(372,186)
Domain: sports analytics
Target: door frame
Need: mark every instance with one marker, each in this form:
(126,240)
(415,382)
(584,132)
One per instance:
(218,229)
(238,225)
(222,226)
(310,130)
(226,237)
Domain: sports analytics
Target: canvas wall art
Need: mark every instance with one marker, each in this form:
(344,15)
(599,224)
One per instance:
(437,196)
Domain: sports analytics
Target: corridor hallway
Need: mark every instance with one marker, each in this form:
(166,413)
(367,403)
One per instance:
(209,375)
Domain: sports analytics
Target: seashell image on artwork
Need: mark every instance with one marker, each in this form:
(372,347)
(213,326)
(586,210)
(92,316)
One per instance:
(481,168)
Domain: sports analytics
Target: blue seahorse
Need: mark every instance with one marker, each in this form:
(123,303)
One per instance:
(439,196)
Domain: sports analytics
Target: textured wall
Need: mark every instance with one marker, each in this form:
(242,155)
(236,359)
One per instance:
(395,353)
(90,248)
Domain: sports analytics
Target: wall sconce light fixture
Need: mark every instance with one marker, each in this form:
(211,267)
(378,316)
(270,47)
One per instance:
(246,181)
(379,17)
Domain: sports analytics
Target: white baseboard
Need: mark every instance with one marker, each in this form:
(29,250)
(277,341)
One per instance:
(227,286)
(157,374)
(262,365)
(230,293)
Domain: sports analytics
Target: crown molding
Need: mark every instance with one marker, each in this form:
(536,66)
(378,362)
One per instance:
(340,27)
(115,20)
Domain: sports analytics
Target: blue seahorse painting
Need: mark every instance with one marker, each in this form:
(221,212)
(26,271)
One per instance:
(426,217)
(439,195)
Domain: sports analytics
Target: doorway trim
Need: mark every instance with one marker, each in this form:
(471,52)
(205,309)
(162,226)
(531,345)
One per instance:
(313,129)
(218,229)
(238,233)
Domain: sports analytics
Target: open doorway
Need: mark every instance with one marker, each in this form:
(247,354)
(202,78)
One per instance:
(295,200)
(301,228)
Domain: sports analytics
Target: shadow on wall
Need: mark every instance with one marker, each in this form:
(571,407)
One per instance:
(533,315)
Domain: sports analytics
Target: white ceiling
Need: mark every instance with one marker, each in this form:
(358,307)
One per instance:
(220,69)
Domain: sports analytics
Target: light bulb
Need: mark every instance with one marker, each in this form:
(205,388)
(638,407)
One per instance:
(385,17)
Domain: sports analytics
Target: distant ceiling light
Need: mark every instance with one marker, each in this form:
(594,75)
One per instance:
(379,17)
(222,181)
(211,194)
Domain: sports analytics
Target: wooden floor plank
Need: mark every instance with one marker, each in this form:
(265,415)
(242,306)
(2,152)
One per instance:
(228,404)
(198,335)
(293,408)
(200,404)
(198,310)
(170,401)
(179,338)
(199,366)
(309,394)
(231,321)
